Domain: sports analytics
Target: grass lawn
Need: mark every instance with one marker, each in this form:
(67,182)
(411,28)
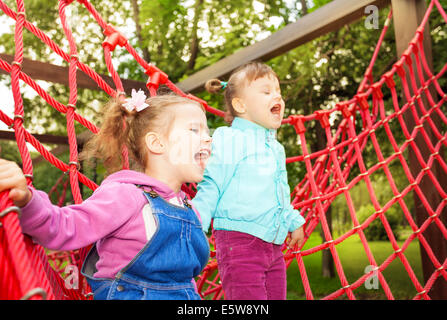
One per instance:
(354,261)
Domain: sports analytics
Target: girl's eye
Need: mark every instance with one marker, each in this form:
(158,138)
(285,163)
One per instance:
(194,130)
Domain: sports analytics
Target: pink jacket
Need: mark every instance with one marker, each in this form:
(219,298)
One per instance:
(112,217)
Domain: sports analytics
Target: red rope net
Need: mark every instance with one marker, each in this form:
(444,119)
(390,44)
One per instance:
(28,271)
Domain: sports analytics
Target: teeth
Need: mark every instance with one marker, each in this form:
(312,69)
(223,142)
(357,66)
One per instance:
(203,153)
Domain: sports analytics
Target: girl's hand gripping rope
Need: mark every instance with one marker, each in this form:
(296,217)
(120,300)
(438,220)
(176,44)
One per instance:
(295,238)
(13,179)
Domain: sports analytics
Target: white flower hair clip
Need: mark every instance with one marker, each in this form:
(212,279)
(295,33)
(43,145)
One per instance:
(136,102)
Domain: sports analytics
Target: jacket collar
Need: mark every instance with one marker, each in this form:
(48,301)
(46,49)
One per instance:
(243,125)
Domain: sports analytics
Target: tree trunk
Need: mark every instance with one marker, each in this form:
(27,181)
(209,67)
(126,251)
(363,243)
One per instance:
(304,8)
(195,39)
(136,18)
(327,263)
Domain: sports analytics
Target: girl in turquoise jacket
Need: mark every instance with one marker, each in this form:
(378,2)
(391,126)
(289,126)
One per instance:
(245,189)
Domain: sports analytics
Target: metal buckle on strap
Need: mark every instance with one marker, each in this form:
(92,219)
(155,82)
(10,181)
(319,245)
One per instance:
(186,203)
(153,194)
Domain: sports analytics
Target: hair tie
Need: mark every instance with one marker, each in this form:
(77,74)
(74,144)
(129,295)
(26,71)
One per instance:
(136,102)
(223,84)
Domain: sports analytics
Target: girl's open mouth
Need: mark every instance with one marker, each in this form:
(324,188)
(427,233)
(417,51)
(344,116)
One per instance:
(202,157)
(276,109)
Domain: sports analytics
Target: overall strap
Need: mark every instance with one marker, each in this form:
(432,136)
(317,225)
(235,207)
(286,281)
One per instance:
(154,194)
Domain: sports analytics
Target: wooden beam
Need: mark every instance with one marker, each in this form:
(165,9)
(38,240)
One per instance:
(326,19)
(49,72)
(407,15)
(48,138)
(44,138)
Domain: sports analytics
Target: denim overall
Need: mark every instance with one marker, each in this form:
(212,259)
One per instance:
(165,267)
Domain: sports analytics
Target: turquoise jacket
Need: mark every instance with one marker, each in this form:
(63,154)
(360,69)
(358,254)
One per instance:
(244,187)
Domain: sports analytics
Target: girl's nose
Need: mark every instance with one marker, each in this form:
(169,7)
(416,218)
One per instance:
(207,138)
(278,96)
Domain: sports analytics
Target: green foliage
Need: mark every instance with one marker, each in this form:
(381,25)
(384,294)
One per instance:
(362,199)
(10,151)
(375,230)
(40,117)
(46,176)
(318,3)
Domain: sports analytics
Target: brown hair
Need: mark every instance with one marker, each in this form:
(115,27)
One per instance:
(242,75)
(121,127)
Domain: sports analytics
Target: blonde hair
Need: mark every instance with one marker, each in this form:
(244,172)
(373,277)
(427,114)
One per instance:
(123,128)
(244,74)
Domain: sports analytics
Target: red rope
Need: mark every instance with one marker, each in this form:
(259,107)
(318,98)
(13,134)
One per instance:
(25,267)
(368,73)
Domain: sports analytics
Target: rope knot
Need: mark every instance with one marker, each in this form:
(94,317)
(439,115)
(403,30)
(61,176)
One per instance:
(114,38)
(156,77)
(377,91)
(362,101)
(389,79)
(344,110)
(298,123)
(322,115)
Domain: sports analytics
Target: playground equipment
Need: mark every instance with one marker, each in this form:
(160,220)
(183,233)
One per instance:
(27,271)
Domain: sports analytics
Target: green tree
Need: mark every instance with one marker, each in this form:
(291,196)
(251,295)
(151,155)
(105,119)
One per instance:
(376,230)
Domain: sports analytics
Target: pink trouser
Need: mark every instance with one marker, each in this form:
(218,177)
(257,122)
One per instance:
(250,268)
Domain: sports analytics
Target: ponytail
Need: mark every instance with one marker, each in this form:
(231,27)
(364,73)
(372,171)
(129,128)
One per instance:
(107,144)
(215,86)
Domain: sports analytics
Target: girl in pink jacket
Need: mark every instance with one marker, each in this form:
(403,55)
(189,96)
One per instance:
(148,241)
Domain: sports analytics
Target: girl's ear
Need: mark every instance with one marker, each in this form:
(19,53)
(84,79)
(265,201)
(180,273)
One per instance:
(154,143)
(238,105)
